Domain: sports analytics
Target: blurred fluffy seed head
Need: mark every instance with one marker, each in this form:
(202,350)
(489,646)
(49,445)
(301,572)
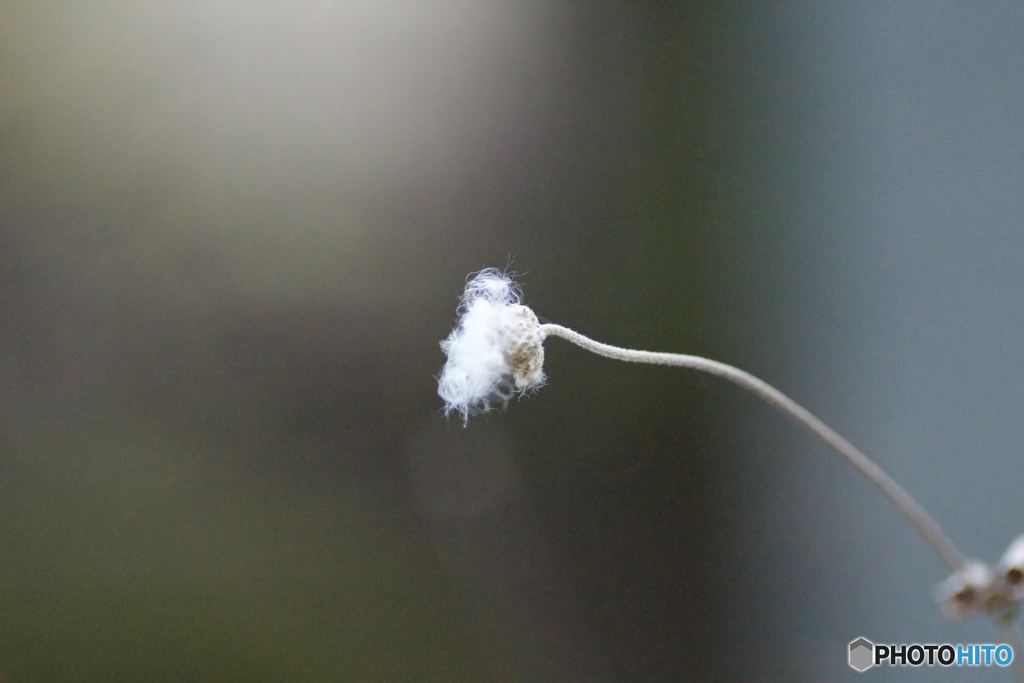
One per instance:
(1010,571)
(966,591)
(495,351)
(997,591)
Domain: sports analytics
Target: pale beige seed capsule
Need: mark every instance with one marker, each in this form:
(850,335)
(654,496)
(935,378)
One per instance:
(524,348)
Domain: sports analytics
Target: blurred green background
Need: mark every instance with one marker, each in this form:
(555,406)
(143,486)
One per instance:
(232,235)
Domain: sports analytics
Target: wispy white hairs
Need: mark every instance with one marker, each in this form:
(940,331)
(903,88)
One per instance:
(495,352)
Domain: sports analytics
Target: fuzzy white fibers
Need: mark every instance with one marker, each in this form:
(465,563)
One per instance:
(495,352)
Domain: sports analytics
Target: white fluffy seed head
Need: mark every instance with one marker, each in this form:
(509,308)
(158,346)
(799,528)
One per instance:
(967,590)
(495,352)
(1011,571)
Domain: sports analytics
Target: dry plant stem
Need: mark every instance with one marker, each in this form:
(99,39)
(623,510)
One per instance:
(1010,637)
(926,526)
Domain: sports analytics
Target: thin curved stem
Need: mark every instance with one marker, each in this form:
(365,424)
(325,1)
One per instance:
(922,521)
(1010,637)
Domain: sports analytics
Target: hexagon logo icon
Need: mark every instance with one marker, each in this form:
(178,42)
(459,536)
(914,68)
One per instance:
(862,654)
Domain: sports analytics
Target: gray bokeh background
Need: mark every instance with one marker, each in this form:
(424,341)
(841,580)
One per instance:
(232,234)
